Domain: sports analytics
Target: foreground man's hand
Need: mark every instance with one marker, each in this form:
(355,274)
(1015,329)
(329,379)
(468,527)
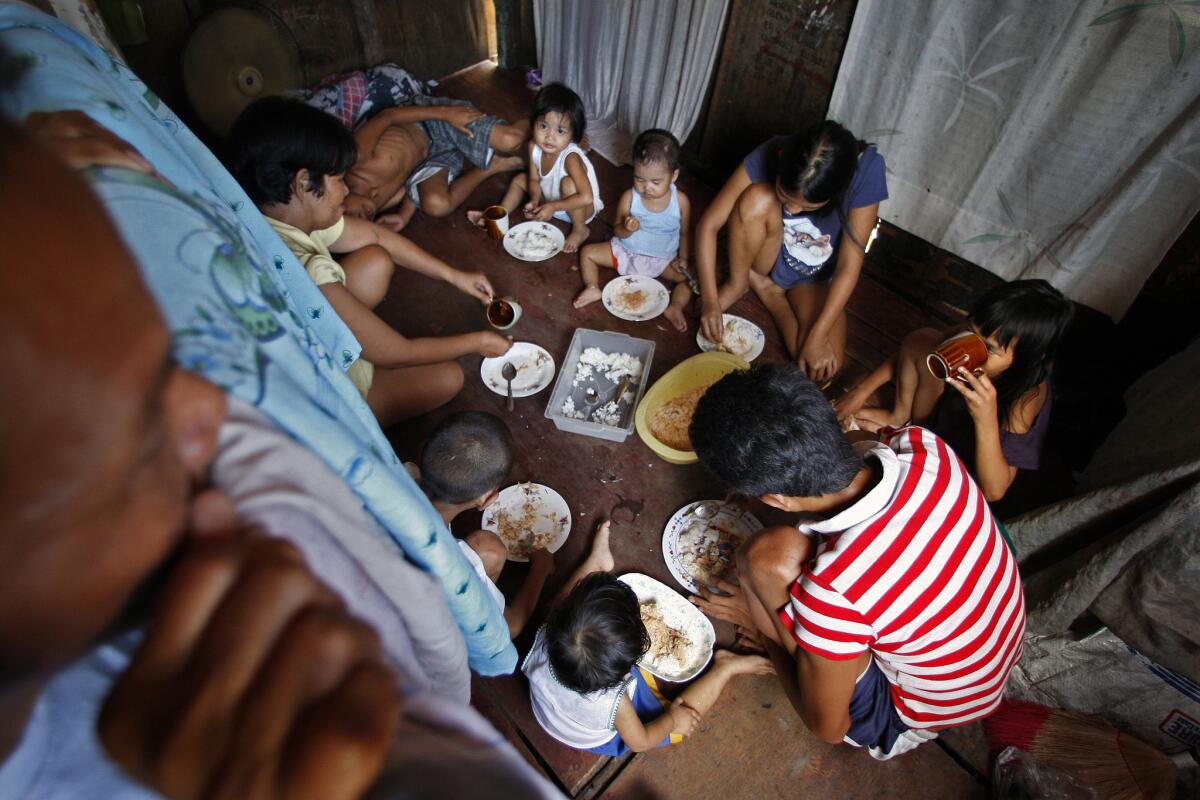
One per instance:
(253,682)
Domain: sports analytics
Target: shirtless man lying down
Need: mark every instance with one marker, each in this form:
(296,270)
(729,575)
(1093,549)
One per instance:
(413,157)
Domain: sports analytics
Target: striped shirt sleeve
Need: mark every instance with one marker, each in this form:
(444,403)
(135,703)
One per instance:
(824,622)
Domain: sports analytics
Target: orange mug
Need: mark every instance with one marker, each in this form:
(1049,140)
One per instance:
(967,350)
(495,218)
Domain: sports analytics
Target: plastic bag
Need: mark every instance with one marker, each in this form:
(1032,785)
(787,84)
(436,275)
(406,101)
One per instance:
(1018,775)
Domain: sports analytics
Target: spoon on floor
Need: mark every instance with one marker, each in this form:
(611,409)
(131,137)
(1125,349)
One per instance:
(508,372)
(705,511)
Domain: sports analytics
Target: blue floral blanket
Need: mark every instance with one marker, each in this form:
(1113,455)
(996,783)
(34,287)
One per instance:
(242,310)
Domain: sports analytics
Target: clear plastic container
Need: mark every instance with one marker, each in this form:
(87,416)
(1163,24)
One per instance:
(609,342)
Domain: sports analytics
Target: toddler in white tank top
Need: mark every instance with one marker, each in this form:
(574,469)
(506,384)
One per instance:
(560,182)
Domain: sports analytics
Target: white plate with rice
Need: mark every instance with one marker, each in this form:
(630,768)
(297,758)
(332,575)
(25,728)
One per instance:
(742,338)
(636,298)
(681,638)
(535,370)
(699,550)
(534,241)
(527,516)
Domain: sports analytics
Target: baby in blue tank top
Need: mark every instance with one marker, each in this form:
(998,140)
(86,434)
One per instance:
(651,236)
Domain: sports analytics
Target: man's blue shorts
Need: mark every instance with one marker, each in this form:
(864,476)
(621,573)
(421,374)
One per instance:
(874,721)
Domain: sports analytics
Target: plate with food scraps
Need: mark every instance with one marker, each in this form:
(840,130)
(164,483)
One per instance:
(700,541)
(636,298)
(527,516)
(534,241)
(535,370)
(681,638)
(742,338)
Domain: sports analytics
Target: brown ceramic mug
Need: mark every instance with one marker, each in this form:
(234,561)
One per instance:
(495,219)
(503,313)
(967,350)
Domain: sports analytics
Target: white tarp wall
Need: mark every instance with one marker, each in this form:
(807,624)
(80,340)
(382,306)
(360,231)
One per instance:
(1056,140)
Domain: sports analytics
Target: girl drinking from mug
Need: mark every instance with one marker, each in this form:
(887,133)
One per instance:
(995,421)
(800,211)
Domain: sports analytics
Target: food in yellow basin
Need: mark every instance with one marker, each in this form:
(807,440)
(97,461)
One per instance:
(676,395)
(670,422)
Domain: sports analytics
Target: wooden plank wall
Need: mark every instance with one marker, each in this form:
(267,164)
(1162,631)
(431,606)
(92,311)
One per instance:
(515,34)
(431,40)
(775,73)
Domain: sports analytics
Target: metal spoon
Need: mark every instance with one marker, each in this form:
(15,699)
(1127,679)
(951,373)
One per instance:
(706,512)
(508,372)
(622,388)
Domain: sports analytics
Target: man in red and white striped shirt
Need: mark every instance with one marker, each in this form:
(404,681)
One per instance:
(894,609)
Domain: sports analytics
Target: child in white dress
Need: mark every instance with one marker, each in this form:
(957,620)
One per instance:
(560,181)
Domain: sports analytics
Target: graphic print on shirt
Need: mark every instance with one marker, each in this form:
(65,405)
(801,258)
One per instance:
(805,248)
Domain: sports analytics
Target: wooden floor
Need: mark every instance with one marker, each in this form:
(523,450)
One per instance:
(752,744)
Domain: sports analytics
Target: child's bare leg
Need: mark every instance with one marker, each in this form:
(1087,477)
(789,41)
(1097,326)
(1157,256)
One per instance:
(591,258)
(913,370)
(512,198)
(368,274)
(518,190)
(491,552)
(703,694)
(439,198)
(600,559)
(510,137)
(579,216)
(681,295)
(852,401)
(915,385)
(404,392)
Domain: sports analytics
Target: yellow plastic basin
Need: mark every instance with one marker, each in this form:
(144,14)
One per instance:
(699,370)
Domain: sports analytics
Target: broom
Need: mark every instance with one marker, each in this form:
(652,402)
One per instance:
(1114,764)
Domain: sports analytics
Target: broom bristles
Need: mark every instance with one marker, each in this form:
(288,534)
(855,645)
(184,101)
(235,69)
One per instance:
(1113,763)
(1015,724)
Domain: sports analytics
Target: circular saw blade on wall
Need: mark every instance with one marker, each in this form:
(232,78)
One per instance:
(235,56)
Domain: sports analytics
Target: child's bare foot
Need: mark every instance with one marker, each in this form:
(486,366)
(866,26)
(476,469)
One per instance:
(475,218)
(738,664)
(601,557)
(589,295)
(675,317)
(576,237)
